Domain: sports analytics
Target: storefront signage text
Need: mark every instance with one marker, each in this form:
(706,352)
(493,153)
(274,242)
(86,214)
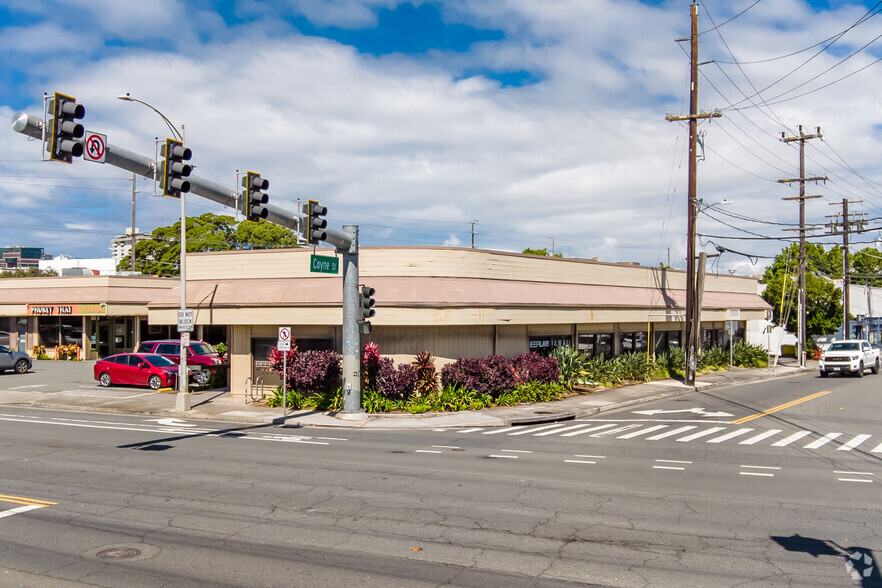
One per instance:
(65,309)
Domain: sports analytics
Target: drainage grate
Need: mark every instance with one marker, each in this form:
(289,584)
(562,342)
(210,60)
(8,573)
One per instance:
(118,553)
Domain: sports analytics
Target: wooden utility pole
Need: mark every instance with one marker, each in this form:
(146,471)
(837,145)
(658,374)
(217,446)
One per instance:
(802,138)
(692,331)
(846,224)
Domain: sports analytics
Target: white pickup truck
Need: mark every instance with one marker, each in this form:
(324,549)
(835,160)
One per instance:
(851,356)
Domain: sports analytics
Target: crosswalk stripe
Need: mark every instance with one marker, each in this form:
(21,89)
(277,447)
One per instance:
(614,431)
(583,431)
(760,437)
(853,443)
(788,440)
(503,430)
(822,441)
(536,429)
(671,433)
(878,449)
(701,434)
(642,432)
(570,428)
(731,435)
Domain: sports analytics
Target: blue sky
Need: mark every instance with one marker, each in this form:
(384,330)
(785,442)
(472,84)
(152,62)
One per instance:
(542,120)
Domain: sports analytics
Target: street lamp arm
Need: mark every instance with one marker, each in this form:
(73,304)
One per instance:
(171,127)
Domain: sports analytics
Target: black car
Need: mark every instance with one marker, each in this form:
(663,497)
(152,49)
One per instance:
(14,360)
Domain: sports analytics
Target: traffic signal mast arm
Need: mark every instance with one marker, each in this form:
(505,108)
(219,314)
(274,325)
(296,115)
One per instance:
(31,126)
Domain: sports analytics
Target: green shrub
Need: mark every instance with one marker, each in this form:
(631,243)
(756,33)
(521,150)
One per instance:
(712,358)
(635,366)
(295,401)
(597,370)
(672,361)
(538,392)
(571,363)
(751,356)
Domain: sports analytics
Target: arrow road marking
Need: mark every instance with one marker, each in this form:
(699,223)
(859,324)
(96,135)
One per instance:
(698,411)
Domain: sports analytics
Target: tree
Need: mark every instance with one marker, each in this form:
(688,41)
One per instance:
(161,254)
(541,252)
(823,300)
(27,272)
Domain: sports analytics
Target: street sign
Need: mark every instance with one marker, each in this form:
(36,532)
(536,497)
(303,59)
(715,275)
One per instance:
(95,147)
(185,340)
(185,321)
(284,342)
(324,265)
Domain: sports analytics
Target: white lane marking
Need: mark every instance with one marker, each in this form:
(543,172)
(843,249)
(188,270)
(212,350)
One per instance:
(172,423)
(853,443)
(822,441)
(701,434)
(760,437)
(592,456)
(505,456)
(425,451)
(672,461)
(515,451)
(19,510)
(333,438)
(853,473)
(757,474)
(699,411)
(282,439)
(671,433)
(854,480)
(555,431)
(788,440)
(667,468)
(536,429)
(878,449)
(583,431)
(29,386)
(472,430)
(578,461)
(614,431)
(761,467)
(642,432)
(730,435)
(445,446)
(503,430)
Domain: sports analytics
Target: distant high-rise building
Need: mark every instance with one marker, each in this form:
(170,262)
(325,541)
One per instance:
(21,257)
(121,245)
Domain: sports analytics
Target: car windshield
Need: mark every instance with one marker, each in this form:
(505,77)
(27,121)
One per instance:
(844,347)
(158,360)
(202,349)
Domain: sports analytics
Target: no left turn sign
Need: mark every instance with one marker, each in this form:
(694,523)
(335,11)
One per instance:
(95,147)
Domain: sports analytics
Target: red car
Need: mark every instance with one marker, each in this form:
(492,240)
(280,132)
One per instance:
(200,356)
(154,371)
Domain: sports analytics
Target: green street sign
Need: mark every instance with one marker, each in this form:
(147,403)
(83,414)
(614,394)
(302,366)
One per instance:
(324,265)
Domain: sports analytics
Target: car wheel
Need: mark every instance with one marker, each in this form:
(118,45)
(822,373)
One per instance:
(202,376)
(104,380)
(21,366)
(875,368)
(860,372)
(155,382)
(824,374)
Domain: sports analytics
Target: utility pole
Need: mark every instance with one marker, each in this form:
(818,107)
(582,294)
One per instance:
(474,222)
(691,329)
(802,138)
(845,224)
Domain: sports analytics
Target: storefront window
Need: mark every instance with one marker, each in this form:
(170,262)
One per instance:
(596,344)
(632,342)
(60,330)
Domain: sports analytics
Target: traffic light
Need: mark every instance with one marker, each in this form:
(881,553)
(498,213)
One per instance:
(63,143)
(255,198)
(367,302)
(315,223)
(174,170)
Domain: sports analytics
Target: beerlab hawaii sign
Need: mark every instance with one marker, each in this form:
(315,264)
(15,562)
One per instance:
(66,309)
(324,265)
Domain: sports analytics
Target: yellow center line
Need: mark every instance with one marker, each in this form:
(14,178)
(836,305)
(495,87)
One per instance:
(741,421)
(27,501)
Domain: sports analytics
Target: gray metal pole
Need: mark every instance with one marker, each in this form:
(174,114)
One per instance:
(134,241)
(351,330)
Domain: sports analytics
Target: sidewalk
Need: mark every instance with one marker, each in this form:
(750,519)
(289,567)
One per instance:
(218,405)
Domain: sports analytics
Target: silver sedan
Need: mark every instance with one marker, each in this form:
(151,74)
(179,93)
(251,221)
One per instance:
(14,360)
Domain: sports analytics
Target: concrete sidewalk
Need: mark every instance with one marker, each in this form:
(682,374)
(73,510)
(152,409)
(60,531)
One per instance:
(220,406)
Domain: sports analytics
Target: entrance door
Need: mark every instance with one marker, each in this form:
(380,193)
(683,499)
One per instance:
(22,337)
(103,342)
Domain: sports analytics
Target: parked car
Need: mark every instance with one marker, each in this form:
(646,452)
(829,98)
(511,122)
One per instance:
(851,356)
(133,369)
(200,355)
(14,360)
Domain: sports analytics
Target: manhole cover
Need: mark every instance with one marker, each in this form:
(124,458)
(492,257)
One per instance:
(118,553)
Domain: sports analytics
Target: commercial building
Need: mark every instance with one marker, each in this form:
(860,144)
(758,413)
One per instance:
(452,302)
(21,257)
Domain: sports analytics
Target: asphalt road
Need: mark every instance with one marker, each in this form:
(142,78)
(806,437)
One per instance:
(603,501)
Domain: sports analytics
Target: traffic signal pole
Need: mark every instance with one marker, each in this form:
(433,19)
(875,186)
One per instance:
(351,327)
